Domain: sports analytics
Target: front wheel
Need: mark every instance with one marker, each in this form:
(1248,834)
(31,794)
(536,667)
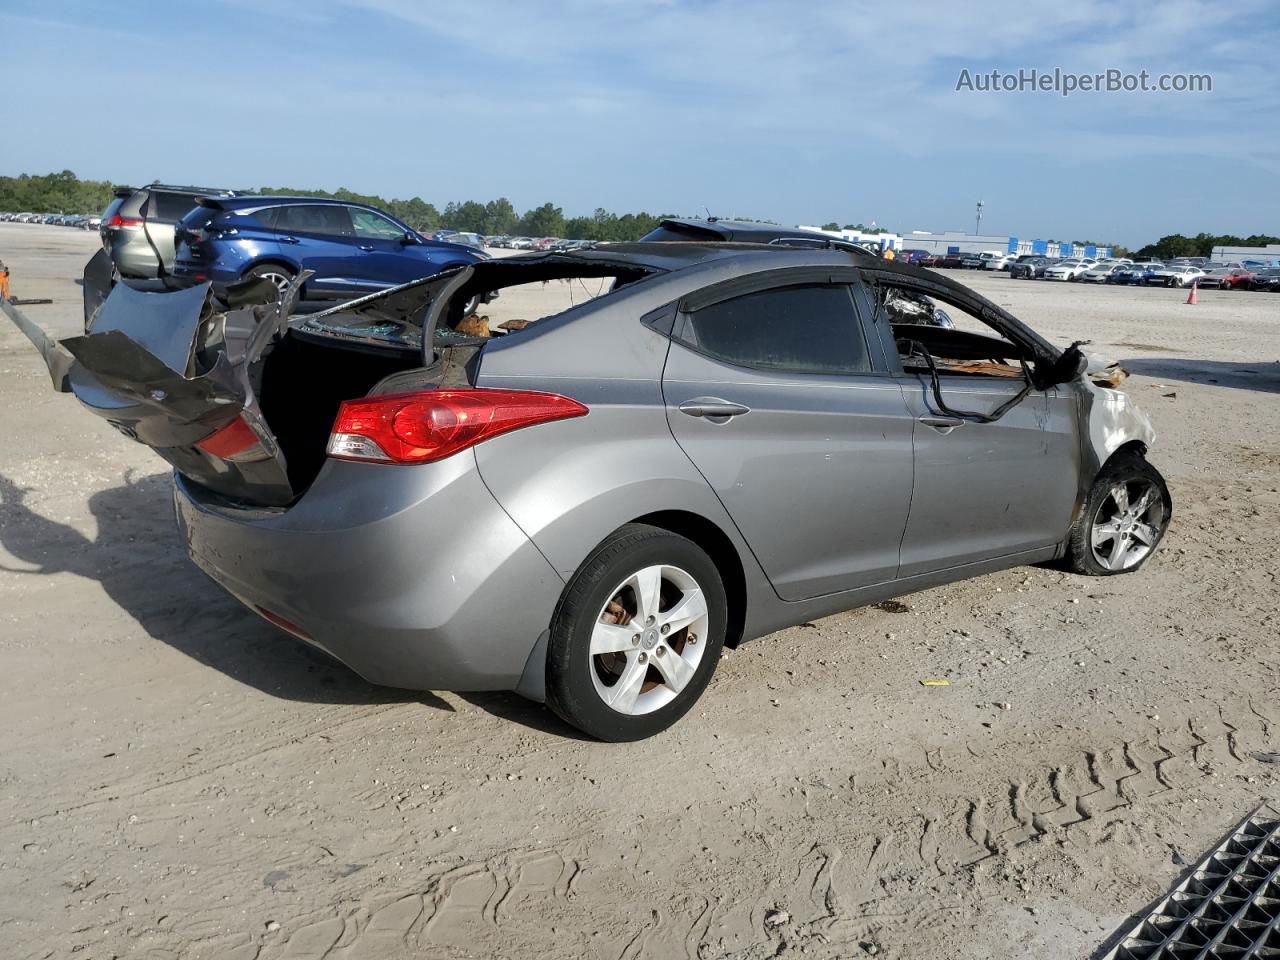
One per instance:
(1123,521)
(636,636)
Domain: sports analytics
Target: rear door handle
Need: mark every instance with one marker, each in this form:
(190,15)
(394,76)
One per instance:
(366,247)
(713,408)
(287,239)
(942,424)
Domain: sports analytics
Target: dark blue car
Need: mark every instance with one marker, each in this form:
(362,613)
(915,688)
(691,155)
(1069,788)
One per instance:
(1137,273)
(353,249)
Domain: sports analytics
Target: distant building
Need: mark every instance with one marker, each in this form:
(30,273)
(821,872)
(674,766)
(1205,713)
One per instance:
(1270,254)
(954,241)
(882,240)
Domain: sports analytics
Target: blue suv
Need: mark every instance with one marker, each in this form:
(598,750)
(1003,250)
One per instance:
(353,249)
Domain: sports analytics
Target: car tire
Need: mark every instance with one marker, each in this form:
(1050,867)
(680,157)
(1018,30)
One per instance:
(277,273)
(1123,521)
(617,679)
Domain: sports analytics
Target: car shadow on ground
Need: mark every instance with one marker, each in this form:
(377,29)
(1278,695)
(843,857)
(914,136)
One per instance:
(137,558)
(1263,375)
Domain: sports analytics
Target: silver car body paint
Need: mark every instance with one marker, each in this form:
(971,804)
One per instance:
(374,566)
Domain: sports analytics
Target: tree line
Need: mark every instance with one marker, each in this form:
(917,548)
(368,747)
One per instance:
(1202,244)
(64,192)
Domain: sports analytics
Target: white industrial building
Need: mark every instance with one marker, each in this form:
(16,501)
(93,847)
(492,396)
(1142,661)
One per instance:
(1269,254)
(955,241)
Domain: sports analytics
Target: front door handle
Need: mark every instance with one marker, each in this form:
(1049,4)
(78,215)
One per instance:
(287,239)
(712,408)
(366,247)
(942,424)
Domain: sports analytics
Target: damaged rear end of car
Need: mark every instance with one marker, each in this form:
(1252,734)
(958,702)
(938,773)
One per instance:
(324,463)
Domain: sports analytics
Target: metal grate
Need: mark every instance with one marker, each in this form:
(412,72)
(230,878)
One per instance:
(1227,909)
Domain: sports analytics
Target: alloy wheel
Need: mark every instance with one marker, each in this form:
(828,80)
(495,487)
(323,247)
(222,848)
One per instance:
(280,279)
(1128,524)
(648,639)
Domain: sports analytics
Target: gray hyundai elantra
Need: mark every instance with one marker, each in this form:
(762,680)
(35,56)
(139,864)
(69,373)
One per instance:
(587,507)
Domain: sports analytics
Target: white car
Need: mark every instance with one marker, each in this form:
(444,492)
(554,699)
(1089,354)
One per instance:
(1100,272)
(1174,276)
(1068,270)
(1000,261)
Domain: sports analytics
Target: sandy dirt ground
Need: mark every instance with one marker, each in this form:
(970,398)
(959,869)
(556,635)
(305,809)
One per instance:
(180,780)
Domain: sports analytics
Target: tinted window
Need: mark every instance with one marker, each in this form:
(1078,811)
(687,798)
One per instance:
(169,207)
(314,218)
(810,329)
(374,226)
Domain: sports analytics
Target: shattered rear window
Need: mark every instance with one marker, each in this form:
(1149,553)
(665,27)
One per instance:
(553,284)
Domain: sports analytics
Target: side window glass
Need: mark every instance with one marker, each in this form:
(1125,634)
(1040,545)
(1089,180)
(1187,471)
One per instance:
(169,207)
(802,329)
(371,226)
(330,220)
(958,341)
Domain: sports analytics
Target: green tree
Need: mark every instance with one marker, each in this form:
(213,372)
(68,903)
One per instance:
(417,213)
(544,221)
(500,217)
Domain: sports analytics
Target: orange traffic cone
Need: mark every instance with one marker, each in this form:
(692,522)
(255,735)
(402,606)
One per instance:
(1191,297)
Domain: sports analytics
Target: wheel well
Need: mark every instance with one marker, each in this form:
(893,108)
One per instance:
(1133,446)
(723,554)
(269,262)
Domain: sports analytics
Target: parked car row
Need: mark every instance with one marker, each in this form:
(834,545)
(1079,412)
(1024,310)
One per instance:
(556,244)
(1178,272)
(83,221)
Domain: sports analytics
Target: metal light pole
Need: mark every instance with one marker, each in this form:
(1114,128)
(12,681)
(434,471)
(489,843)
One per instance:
(977,227)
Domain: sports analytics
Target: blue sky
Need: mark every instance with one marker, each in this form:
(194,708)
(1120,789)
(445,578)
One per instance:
(796,112)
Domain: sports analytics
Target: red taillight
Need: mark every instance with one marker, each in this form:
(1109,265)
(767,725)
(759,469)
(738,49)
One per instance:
(125,223)
(237,441)
(434,424)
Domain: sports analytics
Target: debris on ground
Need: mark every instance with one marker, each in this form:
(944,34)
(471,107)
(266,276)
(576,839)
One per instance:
(892,606)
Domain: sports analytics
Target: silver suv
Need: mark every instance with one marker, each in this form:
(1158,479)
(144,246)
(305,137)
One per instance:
(137,228)
(731,439)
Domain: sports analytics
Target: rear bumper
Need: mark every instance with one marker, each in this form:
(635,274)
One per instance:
(197,271)
(412,576)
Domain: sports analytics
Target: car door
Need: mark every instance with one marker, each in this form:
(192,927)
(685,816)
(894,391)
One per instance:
(985,490)
(387,256)
(161,214)
(319,237)
(787,409)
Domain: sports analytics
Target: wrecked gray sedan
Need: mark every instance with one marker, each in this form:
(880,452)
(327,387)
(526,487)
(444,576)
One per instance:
(729,440)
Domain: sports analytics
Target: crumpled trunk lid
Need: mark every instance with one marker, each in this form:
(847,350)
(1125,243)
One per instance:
(171,370)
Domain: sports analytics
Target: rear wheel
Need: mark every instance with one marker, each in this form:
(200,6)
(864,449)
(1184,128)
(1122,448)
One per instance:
(636,636)
(1123,520)
(276,273)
